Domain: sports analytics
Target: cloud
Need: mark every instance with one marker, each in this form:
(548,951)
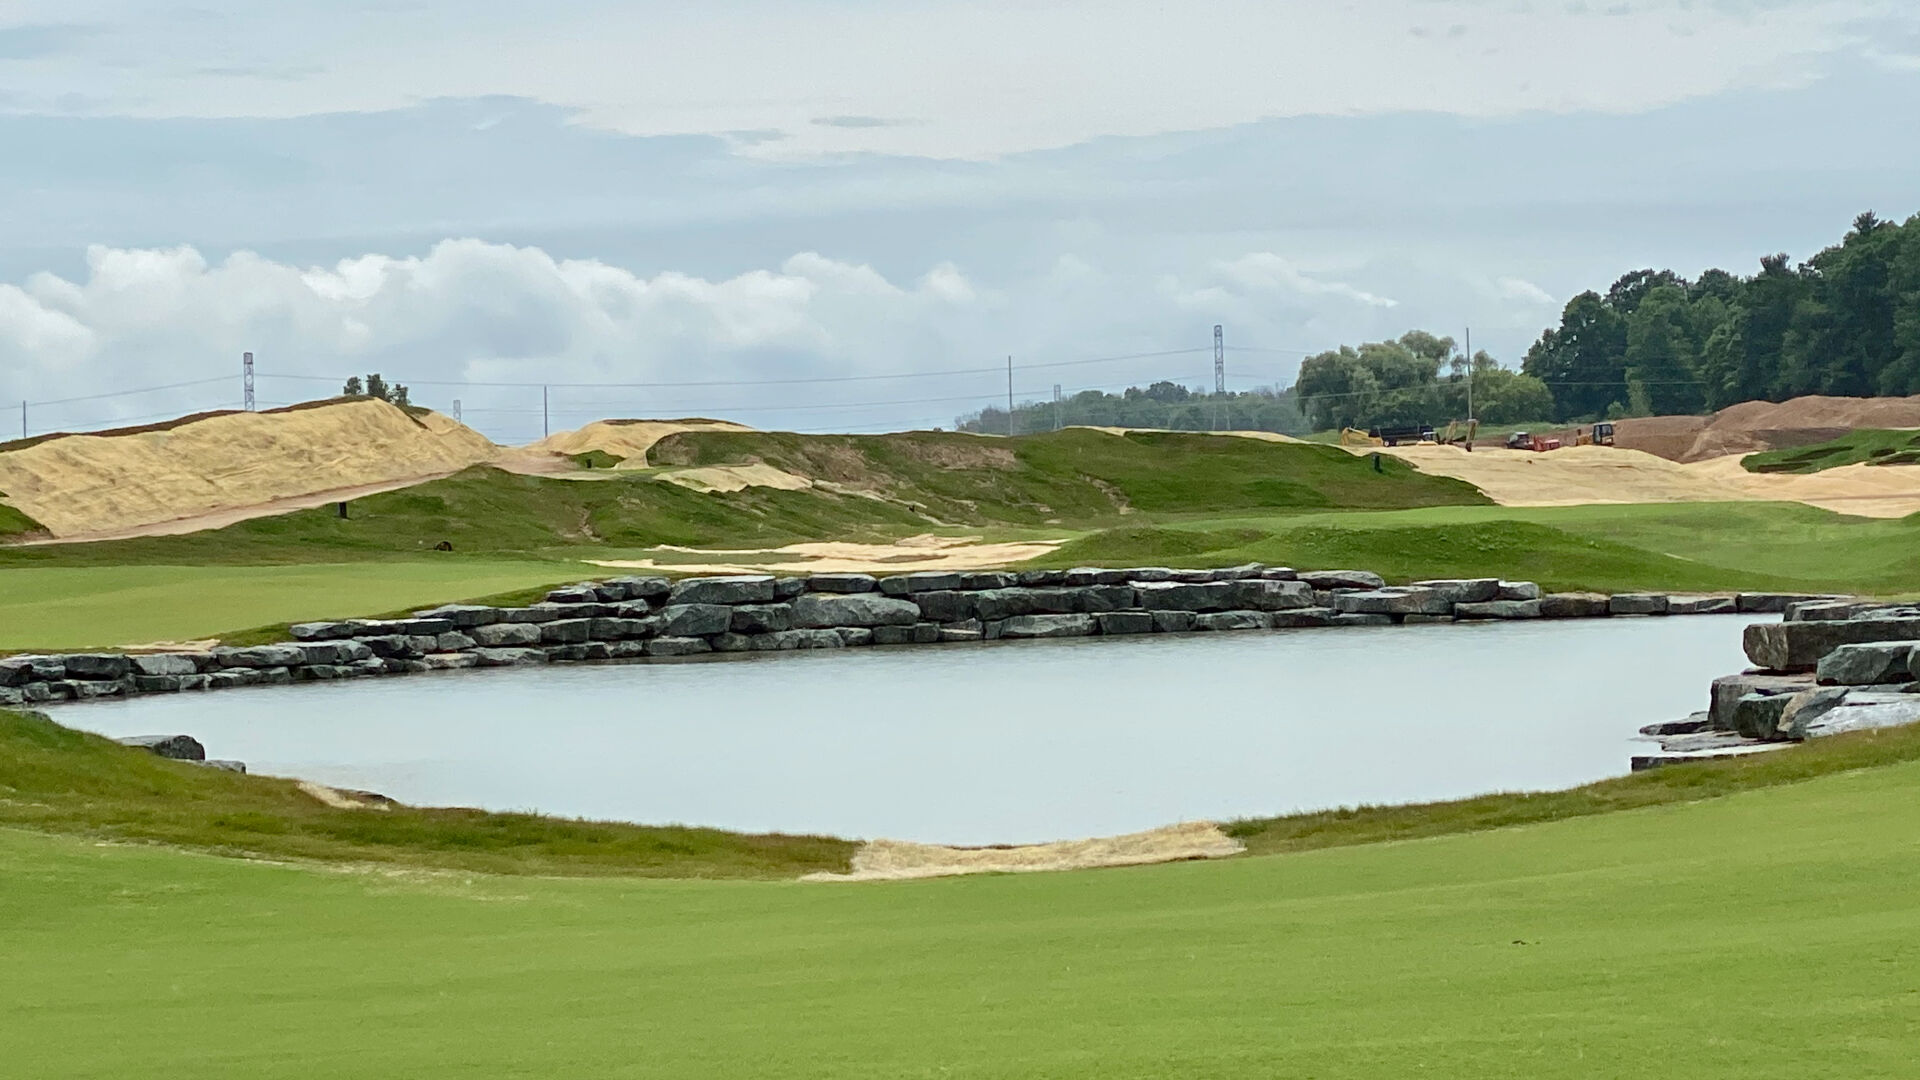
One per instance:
(1268,274)
(37,42)
(857,122)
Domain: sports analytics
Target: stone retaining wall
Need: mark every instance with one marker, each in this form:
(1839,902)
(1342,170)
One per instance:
(631,618)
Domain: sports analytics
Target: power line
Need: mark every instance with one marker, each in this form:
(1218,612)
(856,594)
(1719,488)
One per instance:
(130,393)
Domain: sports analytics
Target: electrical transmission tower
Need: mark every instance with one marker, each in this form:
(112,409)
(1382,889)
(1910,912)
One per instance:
(246,379)
(1056,406)
(1219,374)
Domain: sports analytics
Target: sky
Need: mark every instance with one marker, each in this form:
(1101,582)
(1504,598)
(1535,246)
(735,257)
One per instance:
(847,215)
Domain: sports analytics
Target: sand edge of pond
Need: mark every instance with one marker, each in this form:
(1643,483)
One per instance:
(900,860)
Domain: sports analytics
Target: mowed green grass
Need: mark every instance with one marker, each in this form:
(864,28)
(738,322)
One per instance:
(1768,934)
(58,607)
(1868,445)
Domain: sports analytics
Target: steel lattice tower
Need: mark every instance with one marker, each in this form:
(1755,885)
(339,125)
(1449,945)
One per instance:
(246,379)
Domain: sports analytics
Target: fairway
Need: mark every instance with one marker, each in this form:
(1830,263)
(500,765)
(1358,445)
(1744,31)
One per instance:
(95,606)
(1768,934)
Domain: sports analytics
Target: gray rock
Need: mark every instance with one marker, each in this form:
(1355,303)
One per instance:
(145,684)
(786,588)
(540,613)
(574,594)
(946,606)
(164,664)
(566,632)
(450,661)
(843,583)
(566,654)
(903,584)
(1866,664)
(176,747)
(416,627)
(504,634)
(1172,622)
(954,634)
(319,631)
(330,652)
(596,650)
(1124,622)
(855,636)
(627,650)
(13,696)
(1047,626)
(1038,579)
(1281,573)
(1093,575)
(1149,574)
(1799,646)
(1729,689)
(1804,710)
(453,641)
(819,611)
(677,646)
(761,618)
(224,765)
(731,642)
(1829,609)
(696,620)
(1417,619)
(390,645)
(462,616)
(1575,605)
(976,580)
(646,587)
(1232,620)
(1637,604)
(1757,716)
(419,645)
(260,656)
(1518,590)
(97,666)
(1263,594)
(508,657)
(616,629)
(1498,609)
(1191,596)
(1302,617)
(276,676)
(925,633)
(1393,600)
(739,589)
(323,672)
(1692,725)
(1464,590)
(229,678)
(1701,605)
(1349,618)
(1198,576)
(1864,710)
(37,692)
(1342,579)
(1770,603)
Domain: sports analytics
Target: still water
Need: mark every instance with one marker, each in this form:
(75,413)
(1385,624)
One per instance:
(988,743)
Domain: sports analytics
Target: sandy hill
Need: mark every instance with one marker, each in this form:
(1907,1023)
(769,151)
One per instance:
(628,439)
(1753,426)
(206,471)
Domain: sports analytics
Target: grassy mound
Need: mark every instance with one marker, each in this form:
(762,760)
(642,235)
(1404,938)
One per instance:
(15,523)
(1867,446)
(59,780)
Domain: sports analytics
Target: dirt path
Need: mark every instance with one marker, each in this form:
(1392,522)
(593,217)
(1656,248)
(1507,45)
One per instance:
(897,860)
(915,553)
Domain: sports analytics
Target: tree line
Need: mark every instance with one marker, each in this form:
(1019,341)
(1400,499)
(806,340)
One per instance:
(1161,405)
(1845,322)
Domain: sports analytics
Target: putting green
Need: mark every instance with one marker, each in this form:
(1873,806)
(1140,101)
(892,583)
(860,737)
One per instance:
(1767,934)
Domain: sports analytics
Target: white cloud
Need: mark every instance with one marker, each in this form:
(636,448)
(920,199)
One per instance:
(977,79)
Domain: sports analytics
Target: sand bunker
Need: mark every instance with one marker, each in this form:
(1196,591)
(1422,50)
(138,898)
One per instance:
(1578,475)
(712,478)
(233,466)
(1753,426)
(897,860)
(629,439)
(915,553)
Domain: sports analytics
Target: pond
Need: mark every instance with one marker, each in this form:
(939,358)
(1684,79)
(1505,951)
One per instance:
(1004,742)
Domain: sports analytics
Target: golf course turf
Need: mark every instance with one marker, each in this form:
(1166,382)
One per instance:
(1771,933)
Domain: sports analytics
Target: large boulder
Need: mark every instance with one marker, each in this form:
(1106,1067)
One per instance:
(761,618)
(1574,605)
(739,589)
(1124,622)
(1194,596)
(462,616)
(573,594)
(1463,590)
(260,656)
(498,635)
(1727,691)
(843,583)
(1393,600)
(165,664)
(930,581)
(1041,578)
(946,606)
(1799,646)
(319,631)
(1637,604)
(925,633)
(1047,626)
(1093,575)
(822,610)
(97,666)
(643,588)
(678,646)
(1866,664)
(1755,603)
(1862,710)
(1005,603)
(697,620)
(1232,620)
(176,747)
(1342,579)
(1264,594)
(976,580)
(1829,609)
(1518,590)
(564,632)
(545,613)
(1302,617)
(1173,622)
(1757,716)
(509,657)
(1498,609)
(1701,605)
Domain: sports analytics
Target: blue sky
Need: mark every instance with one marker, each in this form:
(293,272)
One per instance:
(745,193)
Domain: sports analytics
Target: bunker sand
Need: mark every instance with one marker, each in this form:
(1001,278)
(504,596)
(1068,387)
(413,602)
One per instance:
(1582,475)
(900,860)
(227,468)
(915,553)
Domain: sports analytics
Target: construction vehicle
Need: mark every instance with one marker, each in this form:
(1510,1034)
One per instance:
(1521,440)
(1356,437)
(1404,433)
(1601,435)
(1459,432)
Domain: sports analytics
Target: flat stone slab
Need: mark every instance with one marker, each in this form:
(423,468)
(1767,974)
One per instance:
(177,747)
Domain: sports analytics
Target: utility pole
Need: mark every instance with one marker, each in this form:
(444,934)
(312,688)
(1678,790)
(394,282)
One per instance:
(456,408)
(1009,397)
(546,429)
(1056,406)
(1469,373)
(23,419)
(246,379)
(1219,375)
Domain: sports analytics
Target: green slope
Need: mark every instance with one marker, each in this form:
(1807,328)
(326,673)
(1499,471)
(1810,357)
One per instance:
(1770,934)
(1869,446)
